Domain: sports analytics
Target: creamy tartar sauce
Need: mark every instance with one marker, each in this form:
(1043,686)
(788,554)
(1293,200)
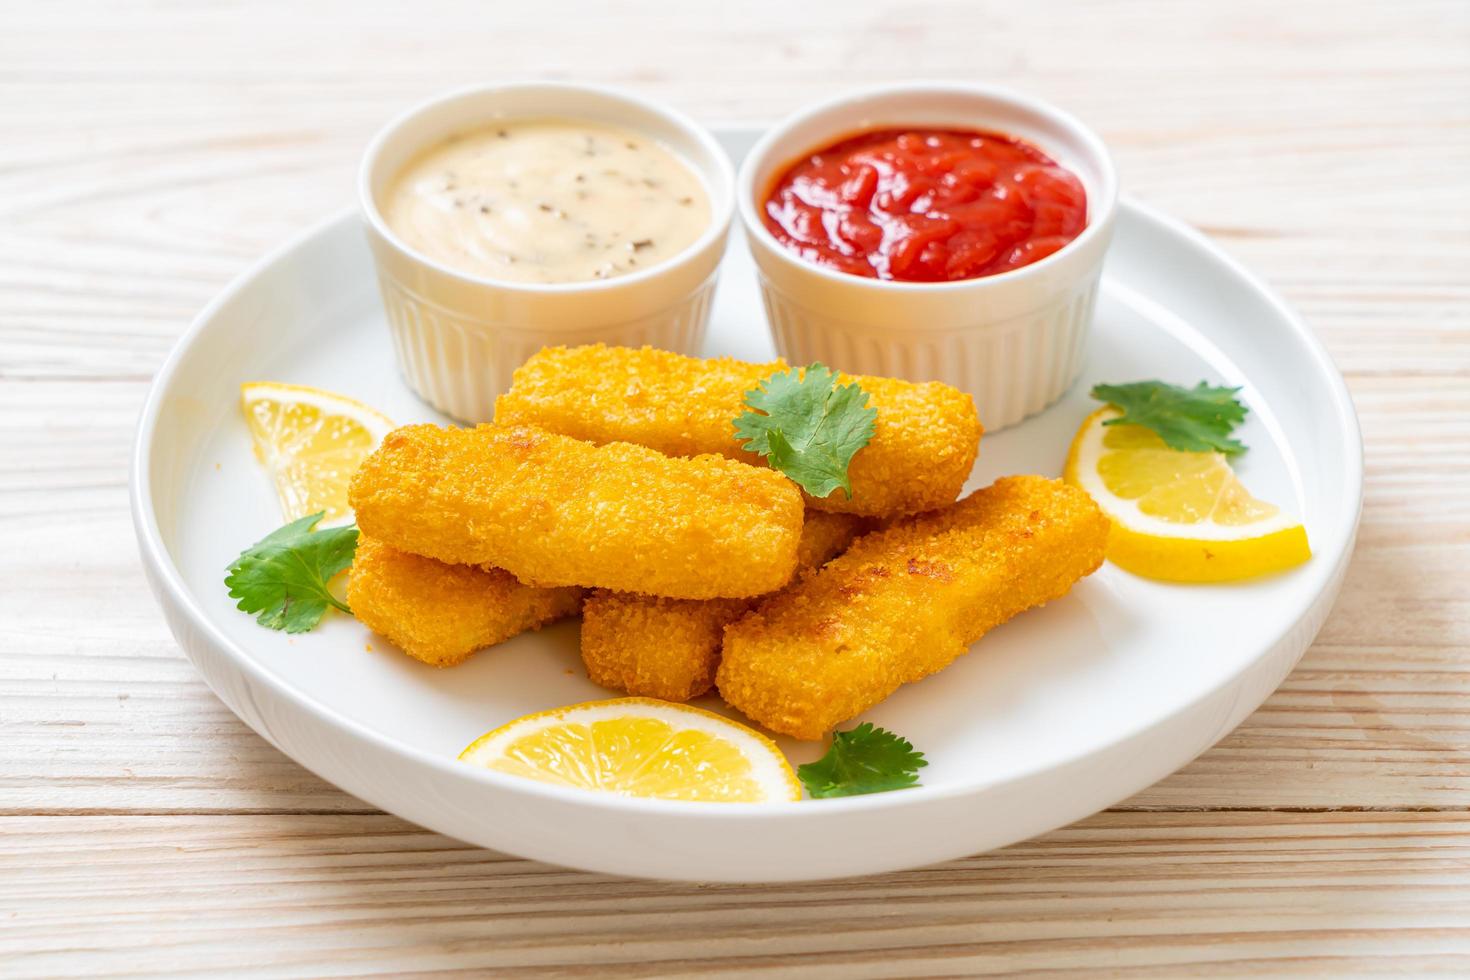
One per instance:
(547,201)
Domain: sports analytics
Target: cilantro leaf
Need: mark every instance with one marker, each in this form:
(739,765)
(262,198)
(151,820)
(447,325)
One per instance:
(283,577)
(863,760)
(808,426)
(1197,420)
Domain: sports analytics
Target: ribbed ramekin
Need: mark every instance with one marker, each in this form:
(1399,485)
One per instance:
(459,336)
(1014,341)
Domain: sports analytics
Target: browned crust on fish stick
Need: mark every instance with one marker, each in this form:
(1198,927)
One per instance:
(440,613)
(555,511)
(924,443)
(904,602)
(669,648)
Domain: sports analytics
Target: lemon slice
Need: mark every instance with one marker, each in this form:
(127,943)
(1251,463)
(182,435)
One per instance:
(311,441)
(641,747)
(1178,516)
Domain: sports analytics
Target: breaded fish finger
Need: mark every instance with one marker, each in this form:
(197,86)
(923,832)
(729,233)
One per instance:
(924,444)
(904,602)
(669,648)
(553,510)
(440,613)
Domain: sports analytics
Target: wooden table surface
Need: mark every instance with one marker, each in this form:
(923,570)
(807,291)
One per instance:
(150,150)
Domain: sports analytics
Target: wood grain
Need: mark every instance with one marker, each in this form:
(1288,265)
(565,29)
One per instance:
(151,150)
(1123,894)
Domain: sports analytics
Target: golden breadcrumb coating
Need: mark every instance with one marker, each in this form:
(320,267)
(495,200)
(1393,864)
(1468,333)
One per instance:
(824,536)
(440,613)
(669,648)
(653,647)
(924,443)
(904,602)
(553,510)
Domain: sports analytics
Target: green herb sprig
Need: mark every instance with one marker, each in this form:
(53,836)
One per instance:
(283,577)
(808,426)
(863,760)
(1197,420)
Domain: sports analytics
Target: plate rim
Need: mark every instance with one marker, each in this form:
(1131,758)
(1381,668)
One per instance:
(169,586)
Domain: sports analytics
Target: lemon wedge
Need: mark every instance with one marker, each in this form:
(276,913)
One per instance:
(641,747)
(1178,516)
(311,441)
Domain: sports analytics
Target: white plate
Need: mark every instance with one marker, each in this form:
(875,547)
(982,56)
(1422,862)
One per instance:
(1060,713)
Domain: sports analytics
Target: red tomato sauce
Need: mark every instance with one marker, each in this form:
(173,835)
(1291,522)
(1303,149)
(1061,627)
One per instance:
(926,205)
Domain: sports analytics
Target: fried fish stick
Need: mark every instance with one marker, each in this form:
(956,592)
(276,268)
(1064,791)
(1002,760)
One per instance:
(924,444)
(669,648)
(904,602)
(553,511)
(440,613)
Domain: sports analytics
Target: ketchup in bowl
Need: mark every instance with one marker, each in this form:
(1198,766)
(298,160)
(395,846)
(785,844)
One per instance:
(926,205)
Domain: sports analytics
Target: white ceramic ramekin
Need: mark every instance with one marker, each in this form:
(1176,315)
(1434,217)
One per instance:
(460,336)
(1014,341)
